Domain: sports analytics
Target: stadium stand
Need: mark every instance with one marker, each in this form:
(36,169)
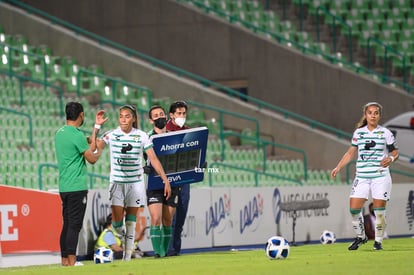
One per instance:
(378,28)
(33,166)
(44,106)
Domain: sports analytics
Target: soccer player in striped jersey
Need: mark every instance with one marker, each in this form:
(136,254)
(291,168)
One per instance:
(127,145)
(376,149)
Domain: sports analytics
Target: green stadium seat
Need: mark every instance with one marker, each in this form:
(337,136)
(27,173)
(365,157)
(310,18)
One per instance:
(56,72)
(287,26)
(303,37)
(341,7)
(397,15)
(377,16)
(357,17)
(408,24)
(391,25)
(389,37)
(361,5)
(239,5)
(381,4)
(406,35)
(372,27)
(315,9)
(404,6)
(92,83)
(254,6)
(144,101)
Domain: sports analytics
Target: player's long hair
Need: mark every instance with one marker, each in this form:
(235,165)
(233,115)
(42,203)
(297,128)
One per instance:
(363,121)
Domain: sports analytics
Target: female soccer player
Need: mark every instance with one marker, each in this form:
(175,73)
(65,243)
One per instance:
(160,208)
(127,145)
(376,149)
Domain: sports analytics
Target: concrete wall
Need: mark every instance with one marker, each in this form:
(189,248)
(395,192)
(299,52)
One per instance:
(323,150)
(180,35)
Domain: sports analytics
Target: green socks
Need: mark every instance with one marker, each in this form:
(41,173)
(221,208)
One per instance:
(165,240)
(160,239)
(155,235)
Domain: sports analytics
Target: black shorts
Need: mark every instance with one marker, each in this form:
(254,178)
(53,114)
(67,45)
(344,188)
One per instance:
(157,196)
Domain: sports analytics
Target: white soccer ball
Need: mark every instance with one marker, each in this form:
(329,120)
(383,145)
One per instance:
(277,248)
(327,237)
(103,255)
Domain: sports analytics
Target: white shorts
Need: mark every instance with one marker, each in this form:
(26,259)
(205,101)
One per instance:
(127,194)
(380,188)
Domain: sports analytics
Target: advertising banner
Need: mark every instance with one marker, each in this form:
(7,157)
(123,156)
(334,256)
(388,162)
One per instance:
(30,220)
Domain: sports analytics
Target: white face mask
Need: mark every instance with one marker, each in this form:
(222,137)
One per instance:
(180,121)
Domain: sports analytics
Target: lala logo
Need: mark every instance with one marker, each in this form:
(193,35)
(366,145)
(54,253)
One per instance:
(217,215)
(250,214)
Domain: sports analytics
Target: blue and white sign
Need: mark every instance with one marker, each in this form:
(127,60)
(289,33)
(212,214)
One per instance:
(183,156)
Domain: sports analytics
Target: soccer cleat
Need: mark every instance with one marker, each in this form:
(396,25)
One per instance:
(357,243)
(377,246)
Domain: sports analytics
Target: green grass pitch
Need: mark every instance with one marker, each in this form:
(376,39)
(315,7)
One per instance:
(396,258)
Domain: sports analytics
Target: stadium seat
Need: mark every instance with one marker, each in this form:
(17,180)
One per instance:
(381,5)
(397,15)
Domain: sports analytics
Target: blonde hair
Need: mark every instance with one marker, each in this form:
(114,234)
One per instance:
(363,121)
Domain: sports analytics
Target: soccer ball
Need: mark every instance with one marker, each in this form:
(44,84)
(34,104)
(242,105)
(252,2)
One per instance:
(327,237)
(103,255)
(277,248)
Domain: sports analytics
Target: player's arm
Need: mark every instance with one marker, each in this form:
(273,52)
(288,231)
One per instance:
(156,164)
(93,153)
(347,157)
(392,156)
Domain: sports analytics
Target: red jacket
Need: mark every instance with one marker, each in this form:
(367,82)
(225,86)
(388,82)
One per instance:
(172,127)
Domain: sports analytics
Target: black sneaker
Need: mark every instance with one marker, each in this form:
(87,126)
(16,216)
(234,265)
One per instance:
(377,246)
(357,243)
(156,256)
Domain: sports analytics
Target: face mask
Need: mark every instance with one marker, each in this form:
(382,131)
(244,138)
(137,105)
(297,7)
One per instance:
(180,121)
(160,122)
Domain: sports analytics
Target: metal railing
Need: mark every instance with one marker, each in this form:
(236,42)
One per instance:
(24,115)
(348,172)
(264,143)
(383,77)
(116,85)
(252,171)
(334,31)
(387,49)
(23,79)
(182,73)
(222,113)
(91,176)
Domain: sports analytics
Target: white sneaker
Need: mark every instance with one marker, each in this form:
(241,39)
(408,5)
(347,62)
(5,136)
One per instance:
(78,264)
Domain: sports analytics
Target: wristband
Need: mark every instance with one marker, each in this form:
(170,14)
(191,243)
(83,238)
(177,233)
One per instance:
(96,151)
(392,158)
(97,126)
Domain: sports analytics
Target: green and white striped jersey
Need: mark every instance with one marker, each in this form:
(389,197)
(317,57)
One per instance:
(372,148)
(126,154)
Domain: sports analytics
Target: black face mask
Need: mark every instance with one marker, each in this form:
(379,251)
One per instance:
(160,122)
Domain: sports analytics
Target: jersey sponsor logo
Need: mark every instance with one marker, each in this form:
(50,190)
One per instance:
(126,148)
(370,144)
